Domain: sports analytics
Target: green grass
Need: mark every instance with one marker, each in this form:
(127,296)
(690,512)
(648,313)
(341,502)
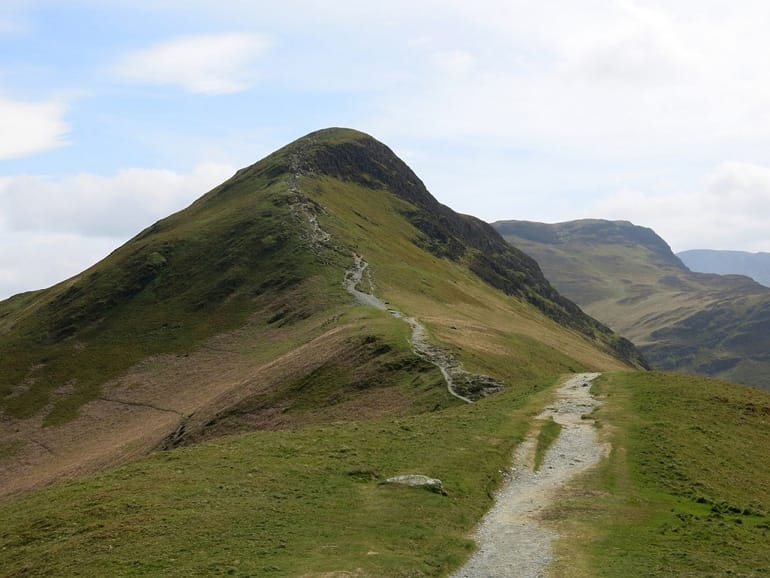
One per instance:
(548,434)
(236,265)
(193,275)
(686,490)
(443,293)
(236,253)
(280,503)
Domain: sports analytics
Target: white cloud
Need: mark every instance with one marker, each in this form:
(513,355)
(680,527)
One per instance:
(731,212)
(52,229)
(204,64)
(8,27)
(93,205)
(640,46)
(32,260)
(617,78)
(744,186)
(509,104)
(454,61)
(30,127)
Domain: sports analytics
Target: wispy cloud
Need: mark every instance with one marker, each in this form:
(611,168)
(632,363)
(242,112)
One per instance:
(9,27)
(203,64)
(51,229)
(31,127)
(730,211)
(34,260)
(92,205)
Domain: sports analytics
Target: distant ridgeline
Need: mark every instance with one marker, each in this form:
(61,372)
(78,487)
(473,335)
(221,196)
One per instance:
(754,265)
(628,277)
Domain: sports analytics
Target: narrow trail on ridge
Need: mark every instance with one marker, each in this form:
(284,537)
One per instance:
(449,366)
(512,538)
(460,383)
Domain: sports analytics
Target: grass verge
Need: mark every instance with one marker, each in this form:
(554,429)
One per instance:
(685,491)
(549,432)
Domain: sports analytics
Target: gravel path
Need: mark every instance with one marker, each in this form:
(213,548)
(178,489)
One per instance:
(513,542)
(460,383)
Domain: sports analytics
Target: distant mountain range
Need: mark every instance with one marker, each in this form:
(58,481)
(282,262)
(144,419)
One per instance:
(754,265)
(628,277)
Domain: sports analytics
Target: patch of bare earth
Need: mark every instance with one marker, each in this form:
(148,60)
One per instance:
(514,540)
(222,388)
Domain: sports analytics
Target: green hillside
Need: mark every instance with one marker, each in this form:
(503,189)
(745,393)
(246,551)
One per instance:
(685,490)
(231,316)
(228,393)
(683,493)
(627,277)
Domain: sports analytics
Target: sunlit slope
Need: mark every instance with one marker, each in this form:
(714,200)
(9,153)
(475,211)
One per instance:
(685,490)
(628,277)
(284,404)
(231,316)
(280,503)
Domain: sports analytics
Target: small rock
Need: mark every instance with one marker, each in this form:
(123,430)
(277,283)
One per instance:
(418,480)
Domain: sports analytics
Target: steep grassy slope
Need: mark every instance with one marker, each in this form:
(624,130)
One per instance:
(754,265)
(685,491)
(231,316)
(628,277)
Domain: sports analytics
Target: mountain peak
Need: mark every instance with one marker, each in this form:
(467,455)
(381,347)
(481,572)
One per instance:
(336,135)
(354,156)
(342,153)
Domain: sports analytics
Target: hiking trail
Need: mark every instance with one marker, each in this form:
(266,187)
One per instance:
(513,541)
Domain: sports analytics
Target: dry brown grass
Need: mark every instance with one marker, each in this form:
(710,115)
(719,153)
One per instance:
(147,405)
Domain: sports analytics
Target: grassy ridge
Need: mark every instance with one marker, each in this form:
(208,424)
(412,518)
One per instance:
(228,317)
(492,333)
(189,277)
(244,249)
(686,490)
(309,500)
(284,503)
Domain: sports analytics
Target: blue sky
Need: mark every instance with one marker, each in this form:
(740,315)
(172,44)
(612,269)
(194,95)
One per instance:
(115,113)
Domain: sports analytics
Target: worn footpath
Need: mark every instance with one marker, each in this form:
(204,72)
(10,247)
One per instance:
(513,541)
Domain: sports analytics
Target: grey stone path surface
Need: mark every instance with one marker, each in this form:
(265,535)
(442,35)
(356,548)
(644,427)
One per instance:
(512,540)
(448,364)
